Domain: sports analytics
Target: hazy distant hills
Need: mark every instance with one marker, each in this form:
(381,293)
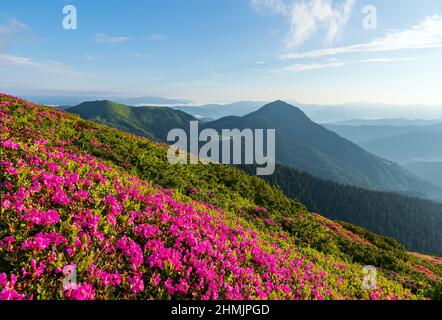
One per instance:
(415,144)
(151,122)
(428,170)
(343,114)
(408,147)
(363,110)
(216,111)
(320,113)
(68,101)
(365,133)
(402,122)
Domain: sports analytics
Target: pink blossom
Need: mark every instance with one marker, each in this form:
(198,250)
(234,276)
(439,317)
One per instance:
(83,291)
(136,283)
(10,145)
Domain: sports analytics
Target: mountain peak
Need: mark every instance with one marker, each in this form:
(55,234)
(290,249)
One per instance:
(279,109)
(100,103)
(278,103)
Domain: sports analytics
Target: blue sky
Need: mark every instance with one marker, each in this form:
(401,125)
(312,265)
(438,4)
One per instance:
(312,51)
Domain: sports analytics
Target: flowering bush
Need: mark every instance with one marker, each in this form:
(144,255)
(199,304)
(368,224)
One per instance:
(130,239)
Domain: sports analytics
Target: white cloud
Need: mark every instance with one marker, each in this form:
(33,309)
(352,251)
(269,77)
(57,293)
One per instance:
(51,67)
(103,38)
(13,31)
(427,34)
(301,67)
(387,60)
(308,16)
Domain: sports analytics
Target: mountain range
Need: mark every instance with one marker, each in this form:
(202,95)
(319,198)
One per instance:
(67,101)
(323,113)
(307,146)
(300,143)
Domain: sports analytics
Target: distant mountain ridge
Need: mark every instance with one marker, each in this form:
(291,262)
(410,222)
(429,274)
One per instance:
(400,122)
(363,110)
(150,122)
(66,101)
(329,113)
(217,111)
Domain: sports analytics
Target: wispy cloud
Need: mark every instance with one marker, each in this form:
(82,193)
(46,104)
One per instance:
(427,34)
(50,67)
(13,31)
(139,55)
(104,38)
(373,60)
(156,37)
(308,16)
(301,67)
(90,57)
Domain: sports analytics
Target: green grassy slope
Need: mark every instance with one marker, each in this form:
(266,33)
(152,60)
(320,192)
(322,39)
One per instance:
(151,122)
